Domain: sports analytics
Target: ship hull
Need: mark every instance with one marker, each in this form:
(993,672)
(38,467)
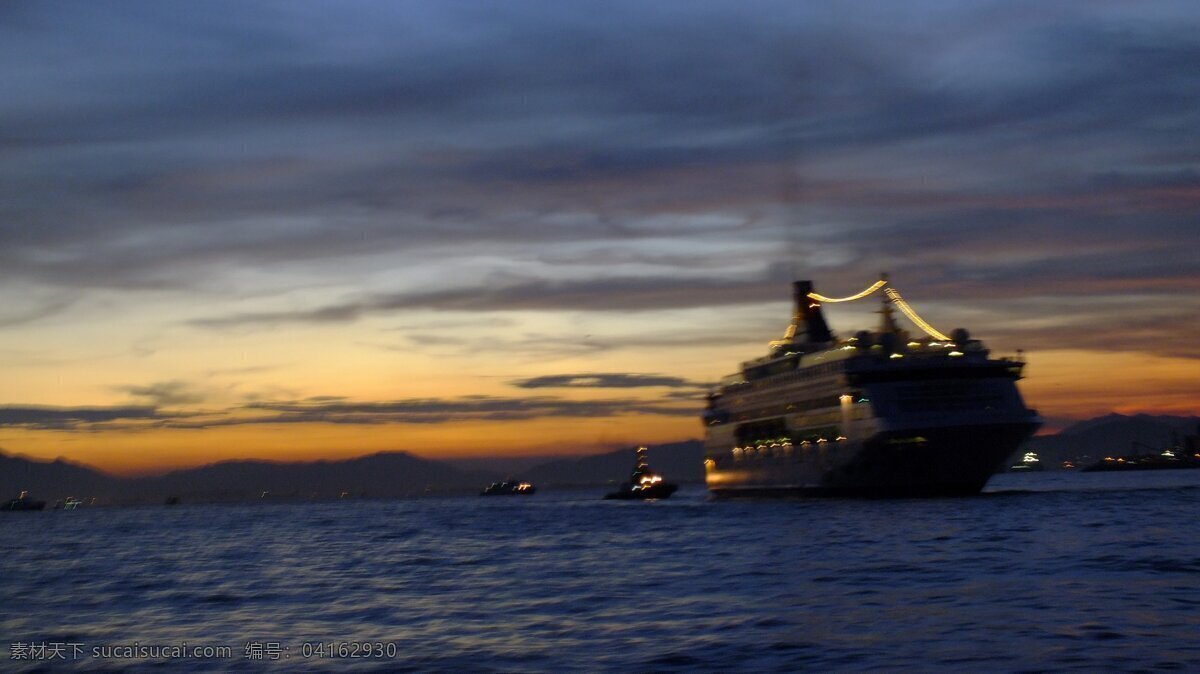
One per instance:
(915,462)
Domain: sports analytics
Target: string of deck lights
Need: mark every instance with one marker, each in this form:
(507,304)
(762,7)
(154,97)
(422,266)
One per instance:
(894,296)
(912,315)
(875,286)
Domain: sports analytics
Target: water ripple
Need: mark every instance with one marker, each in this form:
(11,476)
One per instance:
(1039,575)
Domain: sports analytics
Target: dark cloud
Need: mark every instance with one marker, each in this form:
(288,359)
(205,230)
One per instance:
(36,417)
(1161,329)
(333,410)
(438,410)
(603,380)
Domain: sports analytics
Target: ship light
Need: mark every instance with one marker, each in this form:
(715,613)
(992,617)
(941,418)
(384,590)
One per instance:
(898,355)
(956,353)
(820,440)
(914,344)
(839,438)
(709,463)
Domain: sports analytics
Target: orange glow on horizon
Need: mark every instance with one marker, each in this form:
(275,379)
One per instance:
(1062,384)
(160,451)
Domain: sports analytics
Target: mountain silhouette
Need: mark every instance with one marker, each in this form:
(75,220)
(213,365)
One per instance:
(1110,435)
(401,474)
(53,480)
(386,474)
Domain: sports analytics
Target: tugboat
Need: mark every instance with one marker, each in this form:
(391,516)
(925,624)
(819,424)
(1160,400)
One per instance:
(644,483)
(23,502)
(509,488)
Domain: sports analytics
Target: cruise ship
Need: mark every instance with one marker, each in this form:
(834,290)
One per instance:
(880,413)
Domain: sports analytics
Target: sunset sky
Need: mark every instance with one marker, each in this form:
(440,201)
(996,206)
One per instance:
(317,230)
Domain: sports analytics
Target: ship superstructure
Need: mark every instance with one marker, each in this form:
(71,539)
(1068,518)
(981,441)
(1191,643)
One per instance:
(880,413)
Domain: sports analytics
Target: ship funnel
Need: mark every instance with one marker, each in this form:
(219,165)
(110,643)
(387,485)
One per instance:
(808,323)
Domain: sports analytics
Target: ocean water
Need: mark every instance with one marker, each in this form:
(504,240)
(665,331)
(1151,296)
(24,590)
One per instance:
(1065,572)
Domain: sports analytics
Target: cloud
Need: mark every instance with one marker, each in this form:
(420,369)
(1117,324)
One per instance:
(603,294)
(332,410)
(603,380)
(29,305)
(468,408)
(36,417)
(308,165)
(270,141)
(168,393)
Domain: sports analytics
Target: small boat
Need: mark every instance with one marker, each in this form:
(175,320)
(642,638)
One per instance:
(23,502)
(71,503)
(644,484)
(509,488)
(1167,460)
(1144,457)
(1030,462)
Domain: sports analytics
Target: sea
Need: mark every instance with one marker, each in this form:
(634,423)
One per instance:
(1048,571)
